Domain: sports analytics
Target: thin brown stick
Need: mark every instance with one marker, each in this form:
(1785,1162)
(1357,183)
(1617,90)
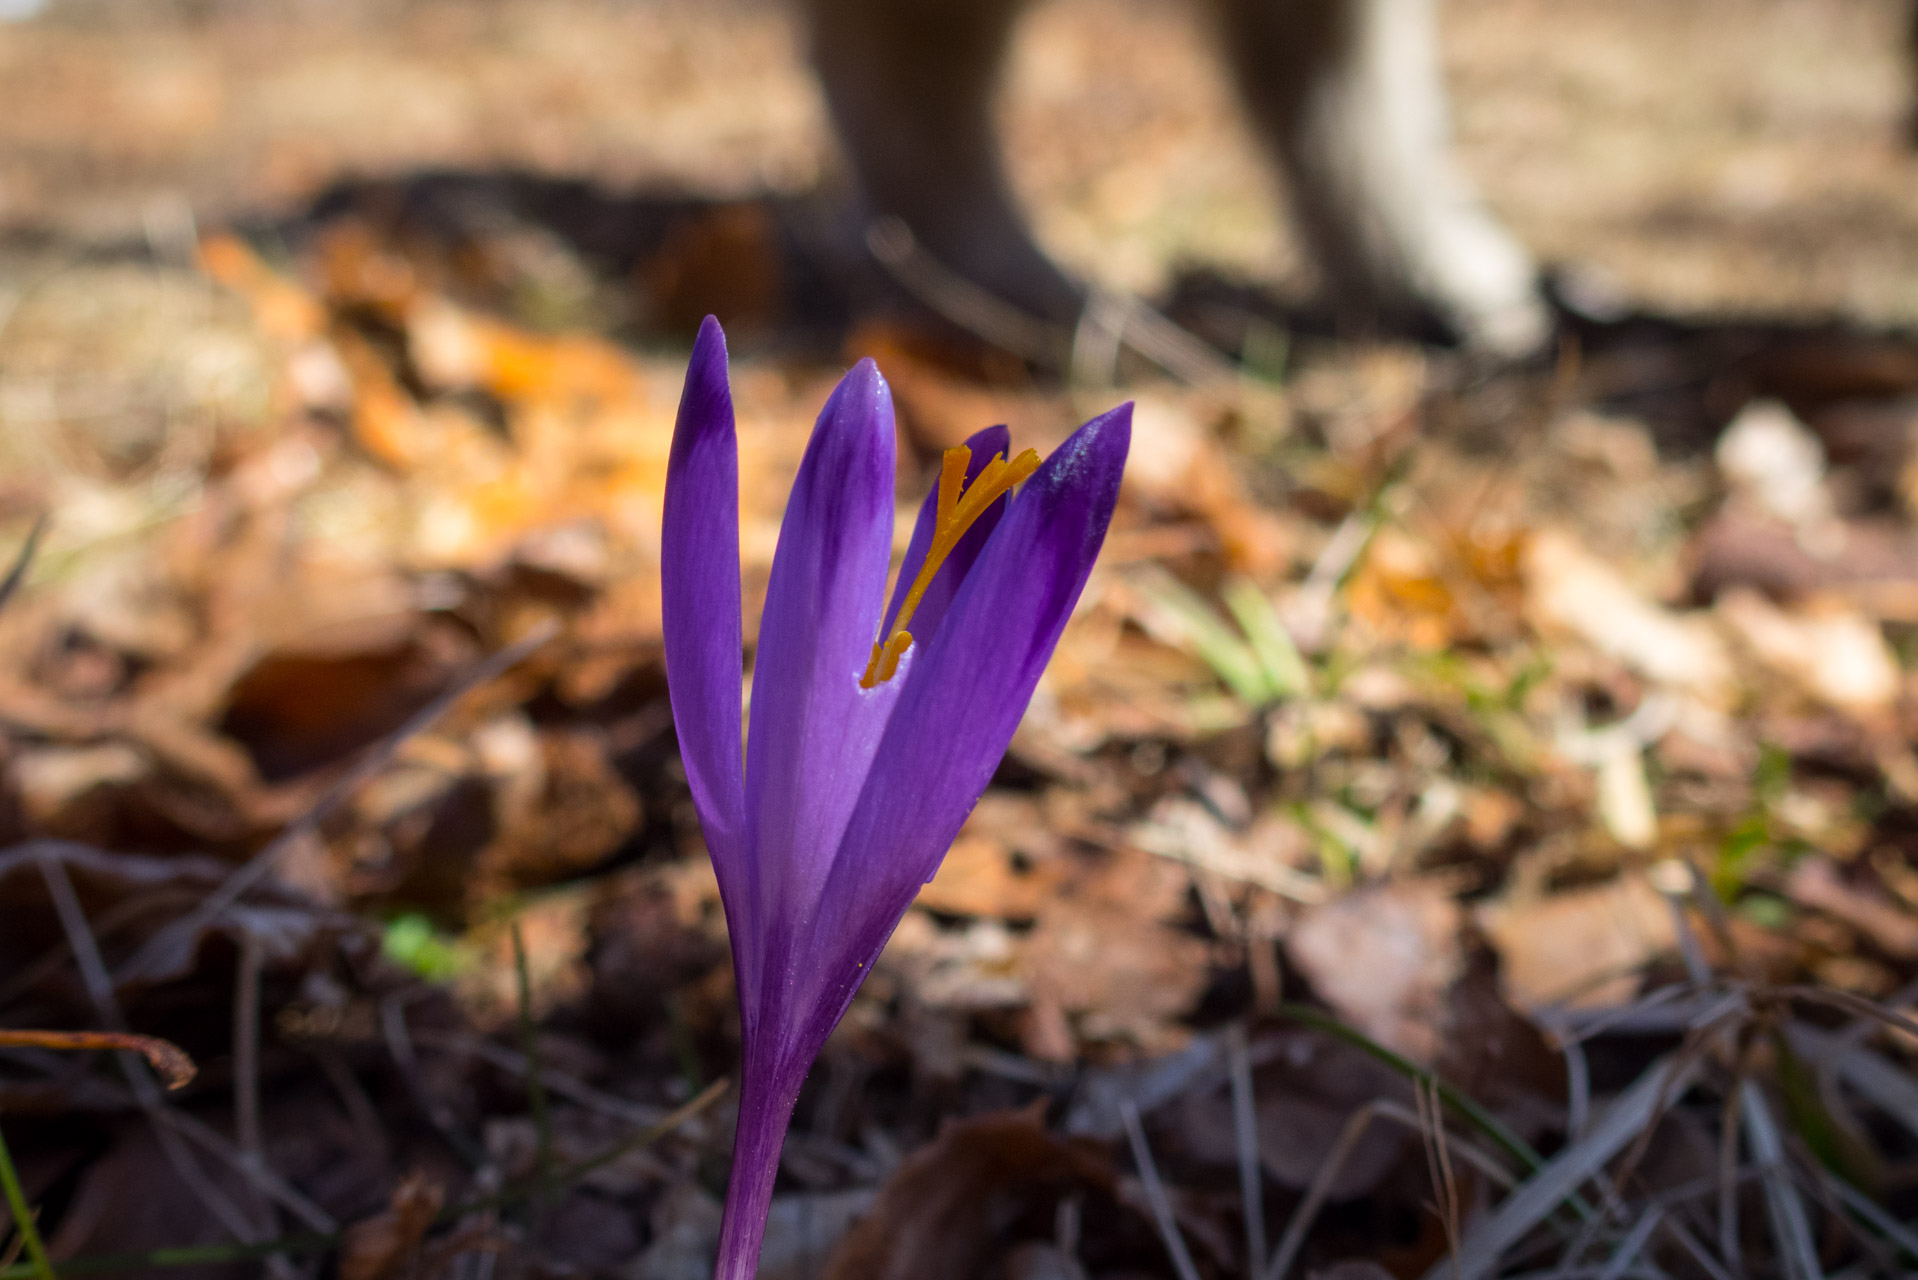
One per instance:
(1355,1128)
(1156,1195)
(174,1067)
(99,986)
(1441,1154)
(246,1048)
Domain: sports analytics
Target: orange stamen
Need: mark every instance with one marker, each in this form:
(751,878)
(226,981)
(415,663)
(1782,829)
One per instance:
(959,504)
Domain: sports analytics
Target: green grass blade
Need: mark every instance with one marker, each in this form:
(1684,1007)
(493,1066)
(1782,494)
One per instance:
(179,1256)
(535,1071)
(1285,669)
(1484,1121)
(1180,616)
(38,1265)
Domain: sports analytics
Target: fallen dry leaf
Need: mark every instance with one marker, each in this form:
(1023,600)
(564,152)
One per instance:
(1584,948)
(386,1246)
(1819,883)
(1772,461)
(1306,1090)
(980,877)
(1570,589)
(1833,653)
(941,1214)
(1383,959)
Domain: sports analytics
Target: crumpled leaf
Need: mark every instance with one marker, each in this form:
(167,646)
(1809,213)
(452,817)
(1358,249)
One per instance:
(1837,655)
(942,1213)
(1583,948)
(1384,959)
(1570,589)
(387,1245)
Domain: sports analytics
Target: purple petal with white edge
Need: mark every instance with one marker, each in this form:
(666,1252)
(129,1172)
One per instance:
(962,702)
(813,730)
(985,445)
(699,590)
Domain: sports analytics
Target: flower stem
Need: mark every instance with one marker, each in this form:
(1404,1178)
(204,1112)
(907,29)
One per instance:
(765,1112)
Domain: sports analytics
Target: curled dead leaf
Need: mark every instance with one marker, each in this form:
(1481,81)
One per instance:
(388,1243)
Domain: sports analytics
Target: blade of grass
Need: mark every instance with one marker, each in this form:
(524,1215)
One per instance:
(1245,1132)
(574,1172)
(38,1264)
(1632,1245)
(1155,1194)
(1177,615)
(1313,607)
(1886,1086)
(1833,1139)
(1481,1119)
(1862,1207)
(179,1256)
(1557,1181)
(1790,1227)
(1438,1164)
(168,1125)
(1329,1169)
(1272,644)
(535,1084)
(199,1255)
(18,574)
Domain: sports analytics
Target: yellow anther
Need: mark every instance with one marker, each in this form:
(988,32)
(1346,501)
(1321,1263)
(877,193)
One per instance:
(959,504)
(885,658)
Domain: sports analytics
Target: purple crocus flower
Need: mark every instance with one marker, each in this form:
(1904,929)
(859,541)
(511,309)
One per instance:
(869,745)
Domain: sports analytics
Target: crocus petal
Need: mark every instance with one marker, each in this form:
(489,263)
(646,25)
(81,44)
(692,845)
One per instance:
(962,702)
(813,729)
(985,445)
(699,590)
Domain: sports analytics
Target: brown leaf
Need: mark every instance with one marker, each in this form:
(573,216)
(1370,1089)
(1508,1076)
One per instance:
(132,1200)
(1834,654)
(1584,947)
(1818,883)
(980,877)
(941,1213)
(1305,1094)
(387,1244)
(141,896)
(296,710)
(576,811)
(1875,562)
(1569,589)
(1384,959)
(1104,950)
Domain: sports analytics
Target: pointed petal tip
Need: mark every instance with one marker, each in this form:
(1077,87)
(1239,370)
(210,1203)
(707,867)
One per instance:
(864,381)
(1096,450)
(709,359)
(699,590)
(706,398)
(864,397)
(1115,423)
(993,440)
